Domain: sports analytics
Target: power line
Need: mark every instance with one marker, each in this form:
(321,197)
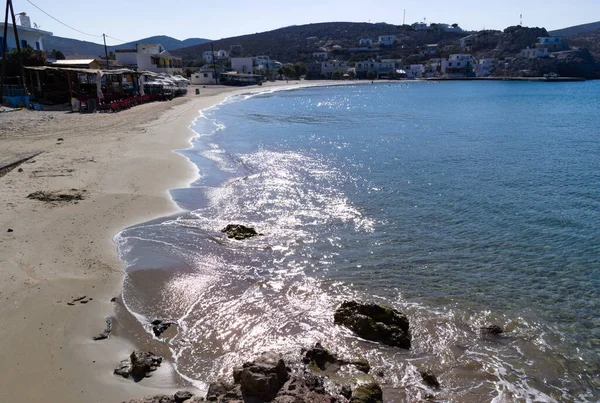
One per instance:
(59,21)
(117,39)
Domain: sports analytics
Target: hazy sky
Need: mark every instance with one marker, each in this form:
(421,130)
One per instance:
(129,20)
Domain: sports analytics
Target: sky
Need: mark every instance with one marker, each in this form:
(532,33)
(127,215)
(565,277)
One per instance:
(129,20)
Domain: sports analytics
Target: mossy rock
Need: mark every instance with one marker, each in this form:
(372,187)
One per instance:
(369,393)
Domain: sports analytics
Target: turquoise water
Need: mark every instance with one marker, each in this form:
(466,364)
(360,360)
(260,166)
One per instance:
(461,203)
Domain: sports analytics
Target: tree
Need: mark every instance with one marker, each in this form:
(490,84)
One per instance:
(455,25)
(30,57)
(371,75)
(299,70)
(57,55)
(336,75)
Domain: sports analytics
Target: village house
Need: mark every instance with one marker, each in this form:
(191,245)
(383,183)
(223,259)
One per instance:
(415,71)
(467,42)
(320,55)
(28,36)
(485,67)
(429,49)
(458,65)
(243,65)
(205,75)
(380,69)
(365,42)
(387,40)
(328,67)
(533,53)
(552,43)
(420,26)
(149,57)
(210,57)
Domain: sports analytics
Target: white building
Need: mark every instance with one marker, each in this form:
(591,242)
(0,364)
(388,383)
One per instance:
(209,56)
(458,65)
(467,42)
(320,55)
(328,67)
(203,76)
(430,49)
(534,53)
(244,65)
(552,43)
(382,68)
(149,57)
(485,67)
(365,42)
(28,36)
(415,71)
(386,40)
(420,26)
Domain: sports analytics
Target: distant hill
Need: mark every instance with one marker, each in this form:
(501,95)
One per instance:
(72,47)
(577,29)
(298,42)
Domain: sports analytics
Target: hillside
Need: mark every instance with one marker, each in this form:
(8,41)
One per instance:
(577,29)
(76,47)
(298,42)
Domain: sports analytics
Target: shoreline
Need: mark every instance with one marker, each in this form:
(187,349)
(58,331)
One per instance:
(124,165)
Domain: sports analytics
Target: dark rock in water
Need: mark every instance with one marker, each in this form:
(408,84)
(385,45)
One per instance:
(139,365)
(106,332)
(159,326)
(10,230)
(182,396)
(346,391)
(492,329)
(239,232)
(20,170)
(262,378)
(429,378)
(113,299)
(362,365)
(370,393)
(375,322)
(319,356)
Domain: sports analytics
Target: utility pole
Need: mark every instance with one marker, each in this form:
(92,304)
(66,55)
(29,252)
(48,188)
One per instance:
(9,6)
(404,18)
(214,63)
(106,52)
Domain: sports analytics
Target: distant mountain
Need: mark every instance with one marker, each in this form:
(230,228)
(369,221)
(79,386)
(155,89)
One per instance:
(577,29)
(72,47)
(298,42)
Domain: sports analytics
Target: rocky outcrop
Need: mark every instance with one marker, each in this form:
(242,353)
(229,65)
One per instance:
(369,393)
(239,232)
(567,63)
(375,322)
(262,378)
(139,365)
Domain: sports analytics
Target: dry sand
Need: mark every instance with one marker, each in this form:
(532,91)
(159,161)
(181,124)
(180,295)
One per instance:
(123,166)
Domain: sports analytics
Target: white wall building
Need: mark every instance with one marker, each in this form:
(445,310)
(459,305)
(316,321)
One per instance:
(458,65)
(365,42)
(204,76)
(386,40)
(485,67)
(328,67)
(534,53)
(320,55)
(420,26)
(552,43)
(27,36)
(415,71)
(220,54)
(149,57)
(244,65)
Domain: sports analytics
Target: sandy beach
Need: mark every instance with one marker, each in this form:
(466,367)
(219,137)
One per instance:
(52,253)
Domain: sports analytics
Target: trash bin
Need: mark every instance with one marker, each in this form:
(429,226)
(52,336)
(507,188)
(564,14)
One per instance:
(197,91)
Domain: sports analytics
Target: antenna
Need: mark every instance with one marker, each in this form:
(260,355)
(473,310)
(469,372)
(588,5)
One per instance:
(521,20)
(404,18)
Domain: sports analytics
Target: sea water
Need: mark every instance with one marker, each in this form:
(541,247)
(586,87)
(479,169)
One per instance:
(462,204)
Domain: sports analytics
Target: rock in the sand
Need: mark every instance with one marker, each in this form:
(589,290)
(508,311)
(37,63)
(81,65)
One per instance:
(429,378)
(106,332)
(10,230)
(221,391)
(239,232)
(492,329)
(182,396)
(139,365)
(159,326)
(375,322)
(153,399)
(262,378)
(369,393)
